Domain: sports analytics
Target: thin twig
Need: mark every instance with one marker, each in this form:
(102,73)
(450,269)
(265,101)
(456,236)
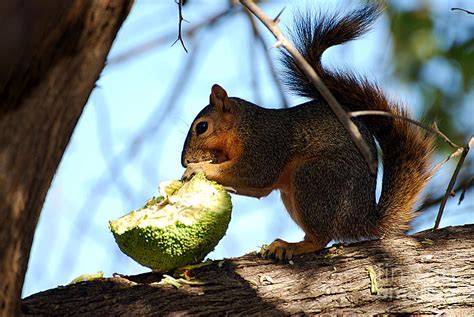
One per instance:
(342,116)
(461,9)
(276,19)
(258,36)
(433,130)
(456,153)
(453,181)
(180,24)
(463,193)
(167,38)
(464,184)
(460,151)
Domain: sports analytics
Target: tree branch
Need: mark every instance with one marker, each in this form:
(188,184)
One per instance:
(464,189)
(453,181)
(464,10)
(434,130)
(465,184)
(342,116)
(52,54)
(427,273)
(461,151)
(167,38)
(180,24)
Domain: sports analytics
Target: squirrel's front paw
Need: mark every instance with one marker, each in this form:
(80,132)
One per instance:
(191,169)
(280,250)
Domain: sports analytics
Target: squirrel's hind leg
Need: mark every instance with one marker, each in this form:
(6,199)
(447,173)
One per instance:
(282,250)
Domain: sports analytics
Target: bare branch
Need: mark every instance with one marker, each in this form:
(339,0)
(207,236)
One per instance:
(418,277)
(457,153)
(463,193)
(342,116)
(433,130)
(464,184)
(180,23)
(453,181)
(461,151)
(276,19)
(464,10)
(165,39)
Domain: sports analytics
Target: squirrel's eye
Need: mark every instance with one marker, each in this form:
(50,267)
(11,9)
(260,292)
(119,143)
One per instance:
(201,127)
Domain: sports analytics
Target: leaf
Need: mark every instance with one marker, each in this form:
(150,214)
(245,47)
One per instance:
(87,277)
(374,290)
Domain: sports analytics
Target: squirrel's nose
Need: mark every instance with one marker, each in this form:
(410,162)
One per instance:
(185,162)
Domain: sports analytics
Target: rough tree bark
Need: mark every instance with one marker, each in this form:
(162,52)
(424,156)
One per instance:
(427,273)
(51,54)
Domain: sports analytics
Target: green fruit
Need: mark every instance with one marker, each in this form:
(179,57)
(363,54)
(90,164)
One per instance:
(177,229)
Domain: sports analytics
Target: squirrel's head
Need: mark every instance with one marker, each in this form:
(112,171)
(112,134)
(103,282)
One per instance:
(212,136)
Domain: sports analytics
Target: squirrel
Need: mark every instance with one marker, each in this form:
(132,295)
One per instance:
(306,154)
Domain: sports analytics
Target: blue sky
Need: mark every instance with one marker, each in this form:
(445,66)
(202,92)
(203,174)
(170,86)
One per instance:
(125,122)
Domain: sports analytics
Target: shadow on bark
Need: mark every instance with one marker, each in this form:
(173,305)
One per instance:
(427,273)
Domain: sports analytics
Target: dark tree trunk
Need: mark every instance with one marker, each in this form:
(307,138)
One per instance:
(51,54)
(427,273)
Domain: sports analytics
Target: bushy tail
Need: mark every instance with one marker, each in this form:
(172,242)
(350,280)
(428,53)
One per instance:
(406,149)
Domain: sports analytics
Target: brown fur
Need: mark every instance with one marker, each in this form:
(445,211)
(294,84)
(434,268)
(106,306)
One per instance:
(406,150)
(305,152)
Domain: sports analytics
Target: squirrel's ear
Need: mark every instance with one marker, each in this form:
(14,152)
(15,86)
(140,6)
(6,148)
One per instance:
(219,99)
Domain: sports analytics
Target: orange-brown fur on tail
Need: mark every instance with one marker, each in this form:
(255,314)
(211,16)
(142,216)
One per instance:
(406,149)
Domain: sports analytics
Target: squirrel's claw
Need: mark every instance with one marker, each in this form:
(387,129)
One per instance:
(188,173)
(192,169)
(280,250)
